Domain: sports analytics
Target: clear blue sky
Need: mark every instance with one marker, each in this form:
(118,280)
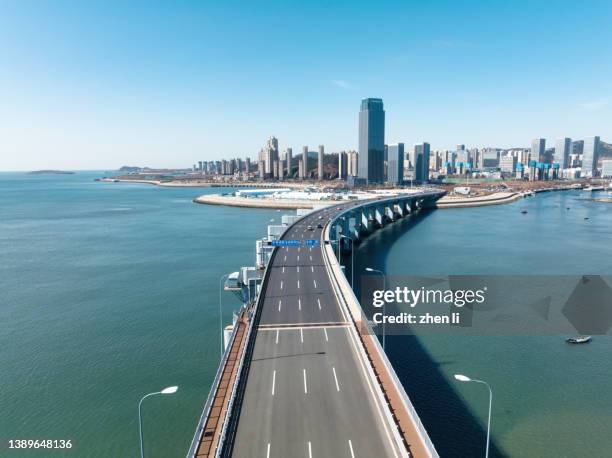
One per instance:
(89,85)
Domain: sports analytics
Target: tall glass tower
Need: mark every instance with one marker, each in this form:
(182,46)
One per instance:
(371,141)
(589,157)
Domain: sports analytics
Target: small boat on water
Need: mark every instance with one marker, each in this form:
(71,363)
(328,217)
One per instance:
(523,211)
(578,340)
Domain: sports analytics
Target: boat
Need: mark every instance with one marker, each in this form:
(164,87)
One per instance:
(578,340)
(593,188)
(523,211)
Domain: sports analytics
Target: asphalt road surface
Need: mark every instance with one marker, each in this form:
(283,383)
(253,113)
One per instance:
(307,392)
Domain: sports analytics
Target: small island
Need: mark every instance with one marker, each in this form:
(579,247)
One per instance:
(50,172)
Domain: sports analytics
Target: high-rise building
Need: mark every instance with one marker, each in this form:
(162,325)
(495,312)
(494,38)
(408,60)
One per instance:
(461,147)
(304,172)
(342,165)
(301,168)
(271,155)
(538,149)
(507,164)
(288,161)
(563,149)
(353,162)
(320,162)
(589,156)
(421,167)
(247,165)
(395,164)
(606,168)
(262,169)
(371,141)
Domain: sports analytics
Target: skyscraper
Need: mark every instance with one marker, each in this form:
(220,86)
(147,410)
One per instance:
(590,156)
(288,160)
(353,163)
(421,157)
(538,149)
(342,165)
(304,172)
(320,162)
(395,164)
(563,149)
(371,141)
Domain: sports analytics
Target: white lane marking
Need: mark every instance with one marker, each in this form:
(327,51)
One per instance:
(319,302)
(300,304)
(325,331)
(309,450)
(310,258)
(273,382)
(336,379)
(281,284)
(283,269)
(351,447)
(305,386)
(372,392)
(298,284)
(312,269)
(302,335)
(277,331)
(298,269)
(298,257)
(315,283)
(298,249)
(285,258)
(268,453)
(280,302)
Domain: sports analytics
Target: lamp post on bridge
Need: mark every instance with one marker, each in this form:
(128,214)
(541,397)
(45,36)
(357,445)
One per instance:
(352,258)
(369,269)
(169,390)
(464,378)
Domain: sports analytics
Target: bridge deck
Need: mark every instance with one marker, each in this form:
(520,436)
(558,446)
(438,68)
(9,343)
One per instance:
(308,393)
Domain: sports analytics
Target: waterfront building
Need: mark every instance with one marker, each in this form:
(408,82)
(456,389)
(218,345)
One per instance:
(421,158)
(563,149)
(304,170)
(507,164)
(288,161)
(461,147)
(395,164)
(371,141)
(247,164)
(606,168)
(301,168)
(589,156)
(353,163)
(490,158)
(342,165)
(538,149)
(261,167)
(320,162)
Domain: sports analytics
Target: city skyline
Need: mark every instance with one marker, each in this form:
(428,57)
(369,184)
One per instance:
(86,87)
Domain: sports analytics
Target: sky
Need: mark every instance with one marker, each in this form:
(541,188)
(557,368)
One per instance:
(101,84)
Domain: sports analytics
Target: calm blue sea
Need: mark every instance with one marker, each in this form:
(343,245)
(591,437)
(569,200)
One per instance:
(109,291)
(551,399)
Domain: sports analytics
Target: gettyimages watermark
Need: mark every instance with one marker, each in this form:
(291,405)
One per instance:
(487,305)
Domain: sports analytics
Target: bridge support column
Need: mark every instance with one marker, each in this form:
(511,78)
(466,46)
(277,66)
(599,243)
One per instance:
(379,216)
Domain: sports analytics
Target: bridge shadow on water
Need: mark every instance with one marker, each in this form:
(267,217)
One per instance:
(451,425)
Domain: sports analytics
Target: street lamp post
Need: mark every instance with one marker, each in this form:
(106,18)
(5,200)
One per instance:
(352,259)
(221,311)
(464,378)
(369,269)
(169,390)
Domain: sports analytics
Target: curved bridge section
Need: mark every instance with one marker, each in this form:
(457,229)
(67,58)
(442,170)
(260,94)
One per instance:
(308,379)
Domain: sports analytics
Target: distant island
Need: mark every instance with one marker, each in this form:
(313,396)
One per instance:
(50,172)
